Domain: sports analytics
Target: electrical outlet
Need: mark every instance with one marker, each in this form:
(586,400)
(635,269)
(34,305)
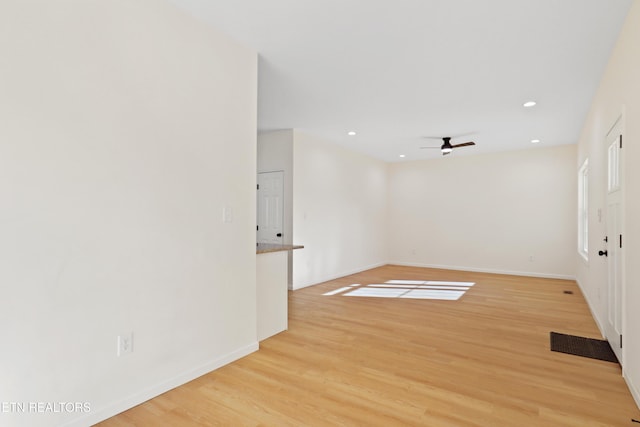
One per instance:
(125,344)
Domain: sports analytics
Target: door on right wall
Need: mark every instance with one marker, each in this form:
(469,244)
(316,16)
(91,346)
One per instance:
(614,199)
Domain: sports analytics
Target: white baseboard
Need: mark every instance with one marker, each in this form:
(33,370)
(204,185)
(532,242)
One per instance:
(486,270)
(594,312)
(336,276)
(135,399)
(635,392)
(443,267)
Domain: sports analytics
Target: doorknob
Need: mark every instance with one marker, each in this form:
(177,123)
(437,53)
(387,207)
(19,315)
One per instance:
(602,253)
(279,235)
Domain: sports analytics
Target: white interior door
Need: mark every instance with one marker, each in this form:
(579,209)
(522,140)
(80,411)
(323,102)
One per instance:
(614,239)
(270,207)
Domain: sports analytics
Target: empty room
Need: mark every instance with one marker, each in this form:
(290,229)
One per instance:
(295,213)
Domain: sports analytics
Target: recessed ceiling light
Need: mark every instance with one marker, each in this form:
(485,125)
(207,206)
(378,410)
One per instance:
(529,104)
(535,141)
(402,155)
(351,133)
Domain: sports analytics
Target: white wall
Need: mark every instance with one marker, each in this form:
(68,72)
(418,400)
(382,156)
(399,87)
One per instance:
(486,213)
(339,211)
(275,153)
(126,127)
(619,92)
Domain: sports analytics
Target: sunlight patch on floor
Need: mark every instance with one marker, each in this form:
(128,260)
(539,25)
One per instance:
(413,289)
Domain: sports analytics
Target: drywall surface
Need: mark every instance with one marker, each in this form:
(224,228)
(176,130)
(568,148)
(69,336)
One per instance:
(510,212)
(127,128)
(275,153)
(618,98)
(339,211)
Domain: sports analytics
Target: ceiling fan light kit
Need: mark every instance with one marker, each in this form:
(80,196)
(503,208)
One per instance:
(447,148)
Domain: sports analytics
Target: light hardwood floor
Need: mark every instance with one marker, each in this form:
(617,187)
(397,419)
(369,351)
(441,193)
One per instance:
(483,360)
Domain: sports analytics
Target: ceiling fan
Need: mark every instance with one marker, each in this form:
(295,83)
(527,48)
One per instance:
(447,148)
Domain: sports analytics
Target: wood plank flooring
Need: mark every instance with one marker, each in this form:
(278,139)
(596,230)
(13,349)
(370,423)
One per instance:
(483,360)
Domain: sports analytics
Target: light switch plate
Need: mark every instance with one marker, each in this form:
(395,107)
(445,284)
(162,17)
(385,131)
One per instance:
(227,214)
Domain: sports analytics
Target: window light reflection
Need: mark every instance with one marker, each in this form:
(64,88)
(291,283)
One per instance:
(412,289)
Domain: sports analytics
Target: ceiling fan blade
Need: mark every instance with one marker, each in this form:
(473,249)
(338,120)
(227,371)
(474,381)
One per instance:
(465,144)
(446,153)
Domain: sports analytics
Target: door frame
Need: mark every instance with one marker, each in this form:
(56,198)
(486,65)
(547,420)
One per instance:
(615,243)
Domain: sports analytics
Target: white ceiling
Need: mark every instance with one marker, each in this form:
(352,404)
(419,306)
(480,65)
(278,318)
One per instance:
(396,71)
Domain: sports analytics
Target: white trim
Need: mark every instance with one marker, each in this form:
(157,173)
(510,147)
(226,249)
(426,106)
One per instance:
(337,276)
(583,210)
(594,312)
(487,270)
(116,407)
(583,260)
(616,132)
(635,392)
